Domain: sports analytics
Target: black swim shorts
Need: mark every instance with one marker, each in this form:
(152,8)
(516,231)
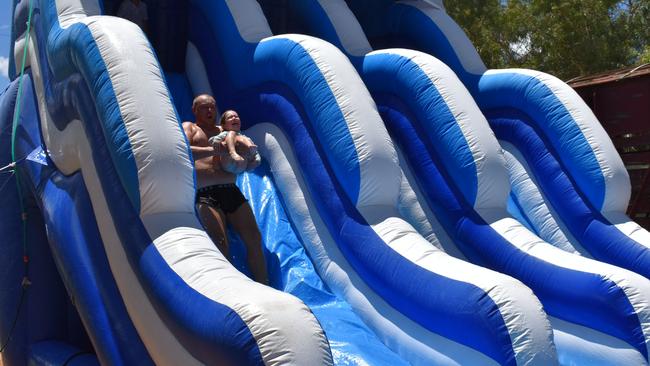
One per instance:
(226,197)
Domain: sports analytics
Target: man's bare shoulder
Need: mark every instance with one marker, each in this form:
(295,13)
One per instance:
(193,132)
(199,135)
(188,125)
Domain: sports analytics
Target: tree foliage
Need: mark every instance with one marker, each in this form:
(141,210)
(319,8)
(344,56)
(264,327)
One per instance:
(566,38)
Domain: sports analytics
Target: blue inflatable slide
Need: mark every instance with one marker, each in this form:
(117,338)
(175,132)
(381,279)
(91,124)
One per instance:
(415,207)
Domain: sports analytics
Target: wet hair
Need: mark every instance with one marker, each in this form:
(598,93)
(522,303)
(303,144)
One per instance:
(223,117)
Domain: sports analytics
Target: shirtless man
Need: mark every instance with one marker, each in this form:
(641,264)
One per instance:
(219,200)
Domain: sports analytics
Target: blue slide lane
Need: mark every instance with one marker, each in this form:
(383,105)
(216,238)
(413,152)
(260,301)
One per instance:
(589,300)
(586,224)
(291,270)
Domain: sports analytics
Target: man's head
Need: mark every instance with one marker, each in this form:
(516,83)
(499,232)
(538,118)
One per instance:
(204,108)
(230,121)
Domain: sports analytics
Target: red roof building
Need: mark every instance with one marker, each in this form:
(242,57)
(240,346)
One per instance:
(621,101)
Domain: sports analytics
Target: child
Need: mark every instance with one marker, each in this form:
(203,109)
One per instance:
(241,153)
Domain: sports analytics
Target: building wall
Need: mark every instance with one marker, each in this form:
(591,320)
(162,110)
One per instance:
(622,104)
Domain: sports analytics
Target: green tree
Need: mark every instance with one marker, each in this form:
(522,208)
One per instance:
(481,21)
(574,37)
(637,13)
(644,56)
(566,38)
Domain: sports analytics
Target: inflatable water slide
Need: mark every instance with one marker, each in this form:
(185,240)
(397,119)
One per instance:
(384,223)
(545,126)
(569,187)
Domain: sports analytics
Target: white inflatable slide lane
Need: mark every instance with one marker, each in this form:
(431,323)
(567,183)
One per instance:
(188,304)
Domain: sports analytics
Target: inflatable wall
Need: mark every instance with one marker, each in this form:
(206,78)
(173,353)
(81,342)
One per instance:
(404,198)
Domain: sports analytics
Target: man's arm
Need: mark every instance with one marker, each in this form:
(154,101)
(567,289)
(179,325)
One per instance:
(198,152)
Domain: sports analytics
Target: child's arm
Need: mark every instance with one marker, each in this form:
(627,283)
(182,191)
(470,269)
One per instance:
(231,143)
(256,159)
(218,142)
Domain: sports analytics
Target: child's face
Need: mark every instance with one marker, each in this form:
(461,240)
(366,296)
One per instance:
(231,122)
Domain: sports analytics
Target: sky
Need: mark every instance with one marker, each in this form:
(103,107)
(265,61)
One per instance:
(5,35)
